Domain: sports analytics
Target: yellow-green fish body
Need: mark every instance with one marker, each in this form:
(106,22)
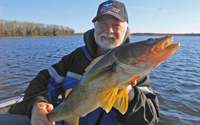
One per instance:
(105,81)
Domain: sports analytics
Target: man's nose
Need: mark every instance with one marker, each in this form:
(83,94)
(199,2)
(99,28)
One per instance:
(109,30)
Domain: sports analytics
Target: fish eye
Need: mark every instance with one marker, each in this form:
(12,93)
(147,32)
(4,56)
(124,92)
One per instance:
(151,41)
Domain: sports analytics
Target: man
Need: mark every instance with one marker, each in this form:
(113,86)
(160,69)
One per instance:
(110,30)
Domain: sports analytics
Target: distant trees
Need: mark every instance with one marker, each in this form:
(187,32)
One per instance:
(165,34)
(15,28)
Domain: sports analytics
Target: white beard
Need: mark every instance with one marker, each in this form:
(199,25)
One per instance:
(104,43)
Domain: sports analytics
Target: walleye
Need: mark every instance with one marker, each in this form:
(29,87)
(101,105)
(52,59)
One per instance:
(104,84)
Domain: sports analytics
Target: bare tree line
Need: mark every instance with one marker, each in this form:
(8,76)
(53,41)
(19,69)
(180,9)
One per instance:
(23,29)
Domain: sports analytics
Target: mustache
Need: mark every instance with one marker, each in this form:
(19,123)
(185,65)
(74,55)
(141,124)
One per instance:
(107,35)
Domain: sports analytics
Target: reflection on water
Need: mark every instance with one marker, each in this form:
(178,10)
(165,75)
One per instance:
(176,81)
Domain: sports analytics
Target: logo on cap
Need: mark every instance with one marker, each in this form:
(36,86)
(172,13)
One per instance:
(109,7)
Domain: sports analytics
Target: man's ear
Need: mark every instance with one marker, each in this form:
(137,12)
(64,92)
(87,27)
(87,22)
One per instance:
(95,23)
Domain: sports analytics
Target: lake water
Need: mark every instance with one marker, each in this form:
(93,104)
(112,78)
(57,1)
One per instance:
(176,81)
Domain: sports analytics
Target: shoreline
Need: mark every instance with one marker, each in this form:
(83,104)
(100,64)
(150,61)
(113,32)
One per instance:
(132,34)
(42,36)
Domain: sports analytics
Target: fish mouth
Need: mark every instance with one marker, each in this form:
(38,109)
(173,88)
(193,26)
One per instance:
(165,44)
(163,50)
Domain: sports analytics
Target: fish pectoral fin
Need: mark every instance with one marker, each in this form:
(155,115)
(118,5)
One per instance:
(67,92)
(107,99)
(74,121)
(121,102)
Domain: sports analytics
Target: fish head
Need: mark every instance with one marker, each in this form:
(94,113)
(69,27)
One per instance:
(146,55)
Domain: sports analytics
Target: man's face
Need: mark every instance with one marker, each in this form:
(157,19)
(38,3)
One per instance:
(109,31)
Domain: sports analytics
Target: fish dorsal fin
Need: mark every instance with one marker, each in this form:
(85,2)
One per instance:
(67,92)
(107,99)
(121,102)
(101,72)
(91,64)
(74,121)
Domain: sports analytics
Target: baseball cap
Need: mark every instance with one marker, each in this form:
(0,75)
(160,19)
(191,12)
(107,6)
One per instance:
(113,8)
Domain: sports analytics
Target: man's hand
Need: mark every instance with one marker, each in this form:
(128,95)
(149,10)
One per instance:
(130,89)
(133,83)
(39,114)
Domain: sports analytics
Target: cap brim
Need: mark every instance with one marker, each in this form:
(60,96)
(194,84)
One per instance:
(119,17)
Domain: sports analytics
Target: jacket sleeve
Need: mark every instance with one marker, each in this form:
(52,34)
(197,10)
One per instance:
(38,88)
(143,105)
(36,91)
